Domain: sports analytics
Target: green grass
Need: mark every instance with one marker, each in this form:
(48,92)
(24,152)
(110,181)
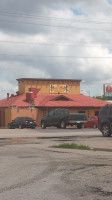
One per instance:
(72,146)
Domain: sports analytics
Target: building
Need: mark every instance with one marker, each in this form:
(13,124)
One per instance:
(35,97)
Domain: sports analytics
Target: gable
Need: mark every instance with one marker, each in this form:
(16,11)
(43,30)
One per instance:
(61,98)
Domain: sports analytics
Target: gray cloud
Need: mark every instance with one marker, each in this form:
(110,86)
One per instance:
(19,60)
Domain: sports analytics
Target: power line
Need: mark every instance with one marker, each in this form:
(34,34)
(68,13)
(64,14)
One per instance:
(56,26)
(50,18)
(56,56)
(51,44)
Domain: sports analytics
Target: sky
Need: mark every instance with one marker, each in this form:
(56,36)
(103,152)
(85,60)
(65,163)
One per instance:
(56,39)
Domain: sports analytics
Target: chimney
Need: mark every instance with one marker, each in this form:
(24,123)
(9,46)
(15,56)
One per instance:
(29,96)
(7,96)
(17,93)
(35,91)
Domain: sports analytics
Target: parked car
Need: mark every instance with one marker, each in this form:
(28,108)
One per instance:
(22,122)
(92,122)
(105,120)
(60,118)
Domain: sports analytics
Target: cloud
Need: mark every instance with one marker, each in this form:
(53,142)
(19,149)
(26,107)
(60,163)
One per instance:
(52,38)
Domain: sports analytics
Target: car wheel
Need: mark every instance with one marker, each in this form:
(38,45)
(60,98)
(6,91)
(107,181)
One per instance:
(79,126)
(20,126)
(105,130)
(9,126)
(62,124)
(43,125)
(94,126)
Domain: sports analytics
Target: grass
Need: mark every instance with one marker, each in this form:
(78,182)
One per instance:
(82,147)
(72,146)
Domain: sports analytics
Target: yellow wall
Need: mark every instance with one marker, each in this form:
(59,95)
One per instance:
(44,86)
(7,116)
(37,114)
(12,113)
(24,112)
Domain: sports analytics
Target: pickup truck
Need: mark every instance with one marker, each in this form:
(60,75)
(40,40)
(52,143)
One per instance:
(61,118)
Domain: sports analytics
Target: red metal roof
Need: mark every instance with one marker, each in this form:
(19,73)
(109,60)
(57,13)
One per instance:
(52,100)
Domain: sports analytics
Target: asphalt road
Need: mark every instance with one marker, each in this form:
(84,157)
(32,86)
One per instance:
(31,169)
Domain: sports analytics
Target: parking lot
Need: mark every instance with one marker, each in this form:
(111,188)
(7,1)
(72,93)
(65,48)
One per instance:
(31,169)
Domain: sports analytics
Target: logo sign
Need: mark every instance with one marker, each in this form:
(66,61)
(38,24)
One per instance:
(107,89)
(58,88)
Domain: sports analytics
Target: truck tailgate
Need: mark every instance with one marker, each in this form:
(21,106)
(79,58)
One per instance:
(77,117)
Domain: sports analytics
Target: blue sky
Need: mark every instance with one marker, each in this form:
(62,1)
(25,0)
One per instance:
(77,11)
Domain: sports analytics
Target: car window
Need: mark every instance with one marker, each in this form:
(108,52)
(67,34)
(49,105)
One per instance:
(92,118)
(51,113)
(110,110)
(66,112)
(18,119)
(57,112)
(27,118)
(105,110)
(89,118)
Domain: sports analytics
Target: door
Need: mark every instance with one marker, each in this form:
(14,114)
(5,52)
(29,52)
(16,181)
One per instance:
(50,121)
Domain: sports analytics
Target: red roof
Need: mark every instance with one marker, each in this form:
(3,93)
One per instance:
(54,100)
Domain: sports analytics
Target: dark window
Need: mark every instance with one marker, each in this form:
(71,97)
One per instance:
(57,112)
(27,118)
(92,118)
(51,113)
(96,113)
(18,119)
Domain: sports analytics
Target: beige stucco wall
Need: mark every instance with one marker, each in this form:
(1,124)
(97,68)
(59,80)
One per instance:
(37,114)
(12,113)
(44,86)
(24,112)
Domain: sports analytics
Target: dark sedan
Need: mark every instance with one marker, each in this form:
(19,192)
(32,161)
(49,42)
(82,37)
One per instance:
(22,122)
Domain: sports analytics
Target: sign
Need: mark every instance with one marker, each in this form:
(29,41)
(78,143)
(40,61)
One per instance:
(107,89)
(58,88)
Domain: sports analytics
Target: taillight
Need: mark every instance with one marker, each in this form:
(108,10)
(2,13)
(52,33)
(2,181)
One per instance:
(69,117)
(25,122)
(35,122)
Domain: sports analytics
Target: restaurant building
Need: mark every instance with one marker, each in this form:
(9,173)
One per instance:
(36,96)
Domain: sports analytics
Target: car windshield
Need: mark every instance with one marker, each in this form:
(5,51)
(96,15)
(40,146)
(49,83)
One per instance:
(28,118)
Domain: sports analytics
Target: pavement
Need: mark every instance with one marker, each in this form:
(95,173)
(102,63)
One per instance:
(90,137)
(31,169)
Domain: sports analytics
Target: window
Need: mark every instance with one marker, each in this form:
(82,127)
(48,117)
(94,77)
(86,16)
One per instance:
(96,113)
(51,113)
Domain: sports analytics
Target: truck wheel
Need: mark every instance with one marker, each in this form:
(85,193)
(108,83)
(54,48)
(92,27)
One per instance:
(94,126)
(79,126)
(43,125)
(62,124)
(105,130)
